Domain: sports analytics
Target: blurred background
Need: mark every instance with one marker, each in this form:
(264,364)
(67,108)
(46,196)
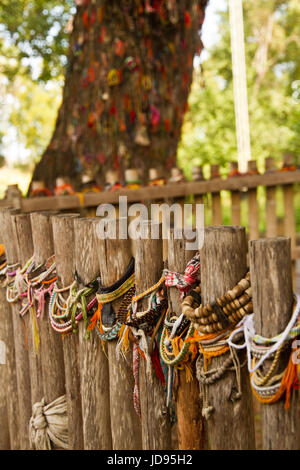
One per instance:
(33,45)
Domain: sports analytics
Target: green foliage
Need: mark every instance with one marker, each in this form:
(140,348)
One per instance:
(33,48)
(272,42)
(33,115)
(35,30)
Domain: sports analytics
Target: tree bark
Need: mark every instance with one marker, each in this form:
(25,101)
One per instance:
(93,362)
(271,279)
(223,264)
(129,71)
(114,257)
(64,248)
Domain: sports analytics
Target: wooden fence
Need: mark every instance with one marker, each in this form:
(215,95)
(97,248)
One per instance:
(99,385)
(231,201)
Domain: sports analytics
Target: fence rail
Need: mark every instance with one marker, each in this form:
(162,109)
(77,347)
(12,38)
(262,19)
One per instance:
(211,192)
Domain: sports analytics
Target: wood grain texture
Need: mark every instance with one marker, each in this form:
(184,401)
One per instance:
(235,207)
(271,216)
(271,280)
(22,230)
(223,264)
(253,211)
(64,249)
(21,352)
(156,432)
(52,361)
(94,377)
(189,425)
(289,214)
(216,207)
(114,257)
(157,193)
(253,214)
(4,384)
(9,378)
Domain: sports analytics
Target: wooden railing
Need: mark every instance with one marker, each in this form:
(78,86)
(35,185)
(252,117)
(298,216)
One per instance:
(210,192)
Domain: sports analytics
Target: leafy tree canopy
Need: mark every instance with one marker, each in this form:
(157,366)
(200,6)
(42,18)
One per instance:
(272,42)
(35,30)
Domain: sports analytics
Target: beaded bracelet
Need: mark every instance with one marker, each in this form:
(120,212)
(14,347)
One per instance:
(226,310)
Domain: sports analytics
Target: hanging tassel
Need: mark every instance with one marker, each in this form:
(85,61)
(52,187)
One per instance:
(95,318)
(35,332)
(157,366)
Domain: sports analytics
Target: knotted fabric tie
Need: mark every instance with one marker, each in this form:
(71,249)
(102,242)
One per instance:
(49,425)
(184,281)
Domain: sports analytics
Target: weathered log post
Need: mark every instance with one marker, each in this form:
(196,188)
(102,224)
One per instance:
(64,249)
(114,258)
(9,388)
(22,231)
(271,279)
(21,351)
(51,354)
(4,419)
(190,425)
(94,378)
(156,428)
(222,265)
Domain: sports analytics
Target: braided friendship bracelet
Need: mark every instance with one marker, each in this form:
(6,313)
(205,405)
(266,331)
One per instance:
(119,292)
(124,287)
(116,290)
(165,350)
(226,310)
(268,387)
(76,299)
(66,327)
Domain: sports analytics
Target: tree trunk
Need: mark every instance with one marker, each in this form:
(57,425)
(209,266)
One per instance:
(128,77)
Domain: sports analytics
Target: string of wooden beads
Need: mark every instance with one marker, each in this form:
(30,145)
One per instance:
(225,311)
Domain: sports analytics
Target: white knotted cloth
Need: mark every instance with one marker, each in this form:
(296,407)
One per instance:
(48,425)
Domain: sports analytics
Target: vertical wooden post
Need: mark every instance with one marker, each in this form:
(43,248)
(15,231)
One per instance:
(216,198)
(9,374)
(64,249)
(271,217)
(114,257)
(13,196)
(190,425)
(4,383)
(155,419)
(22,230)
(289,213)
(253,215)
(223,264)
(235,198)
(94,378)
(51,354)
(21,351)
(271,280)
